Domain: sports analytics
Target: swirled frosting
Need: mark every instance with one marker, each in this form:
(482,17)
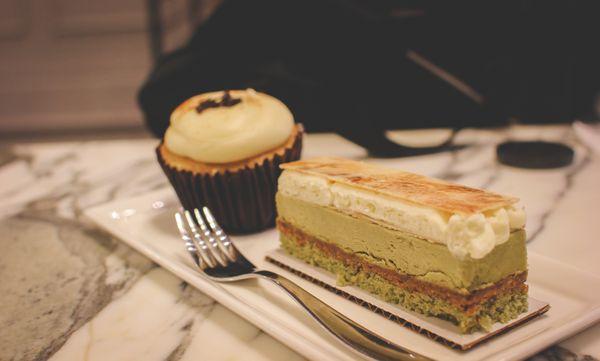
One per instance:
(228,126)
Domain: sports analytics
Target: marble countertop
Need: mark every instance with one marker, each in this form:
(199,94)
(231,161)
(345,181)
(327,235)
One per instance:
(72,292)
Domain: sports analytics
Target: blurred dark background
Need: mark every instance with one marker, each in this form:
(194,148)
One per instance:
(350,66)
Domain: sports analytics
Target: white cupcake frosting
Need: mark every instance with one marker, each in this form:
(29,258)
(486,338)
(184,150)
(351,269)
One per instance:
(224,127)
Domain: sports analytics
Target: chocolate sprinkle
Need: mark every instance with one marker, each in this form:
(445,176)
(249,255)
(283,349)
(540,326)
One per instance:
(226,101)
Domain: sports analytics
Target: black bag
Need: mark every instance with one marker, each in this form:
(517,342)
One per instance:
(359,67)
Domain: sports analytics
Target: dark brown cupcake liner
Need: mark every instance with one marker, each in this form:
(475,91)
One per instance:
(243,200)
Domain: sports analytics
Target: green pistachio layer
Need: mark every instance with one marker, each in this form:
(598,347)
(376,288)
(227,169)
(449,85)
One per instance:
(498,309)
(405,253)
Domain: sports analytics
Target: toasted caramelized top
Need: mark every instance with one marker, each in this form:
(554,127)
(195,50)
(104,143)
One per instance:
(414,188)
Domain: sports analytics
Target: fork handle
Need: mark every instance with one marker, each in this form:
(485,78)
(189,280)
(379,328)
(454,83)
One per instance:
(349,332)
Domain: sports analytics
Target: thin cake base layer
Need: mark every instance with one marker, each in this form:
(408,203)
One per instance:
(471,294)
(499,303)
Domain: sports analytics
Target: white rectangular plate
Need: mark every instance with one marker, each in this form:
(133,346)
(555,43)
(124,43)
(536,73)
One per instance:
(146,223)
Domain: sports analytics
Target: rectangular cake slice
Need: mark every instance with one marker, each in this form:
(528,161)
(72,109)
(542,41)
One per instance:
(437,248)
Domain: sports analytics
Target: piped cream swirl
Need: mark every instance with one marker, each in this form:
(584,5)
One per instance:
(228,133)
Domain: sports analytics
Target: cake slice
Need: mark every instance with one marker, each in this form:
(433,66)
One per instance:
(433,247)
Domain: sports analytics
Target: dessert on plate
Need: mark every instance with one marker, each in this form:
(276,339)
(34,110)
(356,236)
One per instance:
(433,247)
(223,150)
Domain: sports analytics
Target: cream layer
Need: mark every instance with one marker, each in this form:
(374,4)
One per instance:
(473,235)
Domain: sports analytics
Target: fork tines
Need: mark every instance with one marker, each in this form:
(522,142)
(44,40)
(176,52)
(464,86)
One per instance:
(209,245)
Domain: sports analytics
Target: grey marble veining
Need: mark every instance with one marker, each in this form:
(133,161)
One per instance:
(55,279)
(71,291)
(61,275)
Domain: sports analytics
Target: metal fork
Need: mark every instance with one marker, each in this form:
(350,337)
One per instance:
(217,257)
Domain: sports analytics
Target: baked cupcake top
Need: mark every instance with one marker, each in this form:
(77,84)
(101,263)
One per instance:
(228,126)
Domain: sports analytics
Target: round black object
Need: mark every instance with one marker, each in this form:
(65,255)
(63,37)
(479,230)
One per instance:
(534,154)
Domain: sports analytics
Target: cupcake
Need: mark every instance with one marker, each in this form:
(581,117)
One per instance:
(223,150)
